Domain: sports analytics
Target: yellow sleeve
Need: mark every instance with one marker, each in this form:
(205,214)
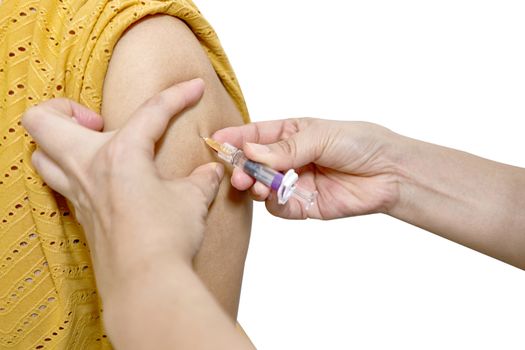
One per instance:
(57,48)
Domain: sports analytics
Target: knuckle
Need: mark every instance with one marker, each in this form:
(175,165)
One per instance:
(156,100)
(294,123)
(197,192)
(165,103)
(291,127)
(306,121)
(287,147)
(117,153)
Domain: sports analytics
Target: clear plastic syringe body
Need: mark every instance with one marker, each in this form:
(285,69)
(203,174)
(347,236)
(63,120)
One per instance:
(284,184)
(258,171)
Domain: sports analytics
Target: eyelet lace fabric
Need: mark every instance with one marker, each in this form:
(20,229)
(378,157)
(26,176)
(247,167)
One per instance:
(60,48)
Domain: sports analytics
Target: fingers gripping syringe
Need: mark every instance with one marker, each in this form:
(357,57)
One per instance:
(284,184)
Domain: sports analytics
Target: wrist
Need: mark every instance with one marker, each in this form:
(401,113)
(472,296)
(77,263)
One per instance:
(169,309)
(144,303)
(141,273)
(415,168)
(396,156)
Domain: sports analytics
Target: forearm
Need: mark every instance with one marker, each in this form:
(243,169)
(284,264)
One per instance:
(470,200)
(153,311)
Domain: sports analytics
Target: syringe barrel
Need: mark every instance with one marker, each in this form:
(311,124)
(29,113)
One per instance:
(258,171)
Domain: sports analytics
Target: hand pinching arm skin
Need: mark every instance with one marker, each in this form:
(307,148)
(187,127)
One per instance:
(138,230)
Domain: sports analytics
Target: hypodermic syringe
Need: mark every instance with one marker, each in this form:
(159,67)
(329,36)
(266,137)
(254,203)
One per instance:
(284,184)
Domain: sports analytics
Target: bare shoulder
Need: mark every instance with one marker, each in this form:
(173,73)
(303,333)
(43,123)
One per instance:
(153,54)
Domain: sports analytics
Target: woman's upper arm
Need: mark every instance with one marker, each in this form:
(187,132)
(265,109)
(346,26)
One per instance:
(153,54)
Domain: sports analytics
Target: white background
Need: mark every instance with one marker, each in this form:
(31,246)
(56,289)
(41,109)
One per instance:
(448,72)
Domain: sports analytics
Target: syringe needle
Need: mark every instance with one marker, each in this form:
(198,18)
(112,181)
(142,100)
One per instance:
(212,143)
(283,184)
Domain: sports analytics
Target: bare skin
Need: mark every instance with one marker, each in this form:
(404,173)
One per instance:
(142,237)
(357,168)
(360,168)
(156,53)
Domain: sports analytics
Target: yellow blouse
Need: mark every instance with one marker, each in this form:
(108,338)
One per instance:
(54,48)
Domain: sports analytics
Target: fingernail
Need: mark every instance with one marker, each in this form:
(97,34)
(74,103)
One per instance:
(258,188)
(196,81)
(219,169)
(217,136)
(35,158)
(257,148)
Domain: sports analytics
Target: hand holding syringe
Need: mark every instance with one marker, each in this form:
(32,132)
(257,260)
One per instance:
(284,184)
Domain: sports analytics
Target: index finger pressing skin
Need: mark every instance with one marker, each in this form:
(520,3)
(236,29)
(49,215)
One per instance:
(261,132)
